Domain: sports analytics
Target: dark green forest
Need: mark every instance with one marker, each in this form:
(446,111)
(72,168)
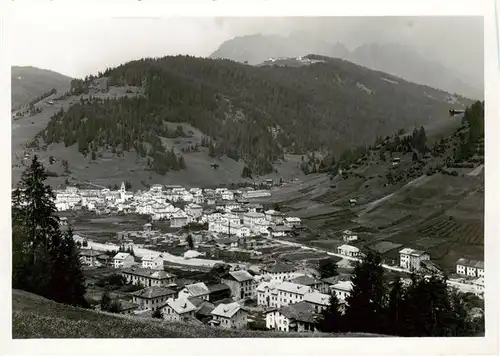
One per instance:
(252,113)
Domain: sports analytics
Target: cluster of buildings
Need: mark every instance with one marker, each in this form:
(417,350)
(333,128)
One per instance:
(292,300)
(158,202)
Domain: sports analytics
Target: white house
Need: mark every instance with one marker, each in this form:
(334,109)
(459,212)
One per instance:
(348,250)
(148,277)
(178,219)
(250,218)
(291,293)
(348,236)
(298,317)
(411,259)
(318,300)
(153,262)
(89,257)
(267,294)
(241,231)
(292,222)
(274,216)
(194,210)
(470,268)
(342,289)
(230,316)
(479,287)
(180,309)
(279,272)
(123,260)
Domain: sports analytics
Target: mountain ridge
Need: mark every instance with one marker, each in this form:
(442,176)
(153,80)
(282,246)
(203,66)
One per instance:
(428,72)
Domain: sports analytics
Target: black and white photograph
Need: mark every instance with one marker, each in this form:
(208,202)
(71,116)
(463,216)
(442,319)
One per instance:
(237,176)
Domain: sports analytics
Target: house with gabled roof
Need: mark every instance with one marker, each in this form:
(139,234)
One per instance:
(152,261)
(152,298)
(319,301)
(123,260)
(411,259)
(89,257)
(180,309)
(230,316)
(298,317)
(241,283)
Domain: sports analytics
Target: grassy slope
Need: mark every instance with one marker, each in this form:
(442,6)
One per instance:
(37,317)
(441,214)
(29,82)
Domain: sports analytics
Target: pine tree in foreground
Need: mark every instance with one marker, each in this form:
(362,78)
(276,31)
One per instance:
(45,261)
(366,302)
(331,319)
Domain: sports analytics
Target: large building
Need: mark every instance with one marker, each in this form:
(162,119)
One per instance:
(411,259)
(470,268)
(148,277)
(152,298)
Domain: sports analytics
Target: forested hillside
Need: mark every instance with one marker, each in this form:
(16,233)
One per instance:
(251,113)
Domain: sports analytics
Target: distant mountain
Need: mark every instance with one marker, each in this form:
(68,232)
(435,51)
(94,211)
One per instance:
(394,59)
(408,64)
(28,83)
(258,48)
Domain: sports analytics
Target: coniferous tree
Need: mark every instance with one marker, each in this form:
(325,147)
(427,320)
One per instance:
(394,313)
(366,302)
(331,319)
(35,228)
(105,300)
(45,261)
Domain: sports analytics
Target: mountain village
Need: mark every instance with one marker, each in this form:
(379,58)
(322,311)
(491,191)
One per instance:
(285,296)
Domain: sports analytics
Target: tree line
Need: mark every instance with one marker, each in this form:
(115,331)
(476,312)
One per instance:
(424,307)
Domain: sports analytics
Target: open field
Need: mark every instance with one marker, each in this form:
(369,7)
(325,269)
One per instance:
(36,317)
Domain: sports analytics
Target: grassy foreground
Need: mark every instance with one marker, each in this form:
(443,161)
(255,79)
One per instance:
(36,317)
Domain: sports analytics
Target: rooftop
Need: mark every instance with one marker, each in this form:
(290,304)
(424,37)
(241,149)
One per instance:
(89,253)
(240,276)
(213,288)
(470,263)
(301,311)
(343,285)
(197,289)
(412,252)
(226,310)
(305,280)
(317,298)
(153,292)
(293,288)
(146,272)
(121,255)
(181,305)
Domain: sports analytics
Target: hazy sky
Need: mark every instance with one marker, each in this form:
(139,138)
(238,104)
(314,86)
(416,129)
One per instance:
(77,47)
